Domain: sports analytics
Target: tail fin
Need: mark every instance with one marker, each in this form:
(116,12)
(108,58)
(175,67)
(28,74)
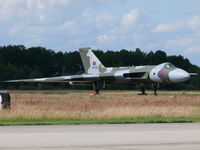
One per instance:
(90,62)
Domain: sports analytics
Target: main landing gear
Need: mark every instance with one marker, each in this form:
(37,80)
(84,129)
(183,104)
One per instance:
(142,89)
(97,85)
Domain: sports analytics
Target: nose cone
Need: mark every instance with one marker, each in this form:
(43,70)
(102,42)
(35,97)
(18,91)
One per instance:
(178,75)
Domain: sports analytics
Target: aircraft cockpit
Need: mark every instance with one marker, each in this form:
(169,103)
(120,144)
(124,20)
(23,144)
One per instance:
(170,66)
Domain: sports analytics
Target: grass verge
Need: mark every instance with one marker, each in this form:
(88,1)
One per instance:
(114,121)
(110,107)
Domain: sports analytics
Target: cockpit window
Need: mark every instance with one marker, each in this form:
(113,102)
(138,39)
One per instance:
(170,66)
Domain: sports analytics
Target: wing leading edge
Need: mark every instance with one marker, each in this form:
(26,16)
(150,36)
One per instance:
(74,78)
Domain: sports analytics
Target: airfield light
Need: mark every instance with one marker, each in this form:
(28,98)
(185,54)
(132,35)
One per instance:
(92,94)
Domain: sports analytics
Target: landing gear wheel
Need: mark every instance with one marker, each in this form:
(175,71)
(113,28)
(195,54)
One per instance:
(142,88)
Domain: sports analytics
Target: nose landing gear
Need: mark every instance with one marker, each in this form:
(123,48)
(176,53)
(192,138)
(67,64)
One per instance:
(155,86)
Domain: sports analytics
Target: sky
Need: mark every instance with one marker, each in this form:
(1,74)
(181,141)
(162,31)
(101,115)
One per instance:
(66,25)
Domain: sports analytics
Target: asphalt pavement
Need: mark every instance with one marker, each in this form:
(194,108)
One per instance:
(166,136)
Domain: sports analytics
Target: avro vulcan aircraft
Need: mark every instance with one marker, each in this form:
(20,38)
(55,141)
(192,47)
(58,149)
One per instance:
(98,75)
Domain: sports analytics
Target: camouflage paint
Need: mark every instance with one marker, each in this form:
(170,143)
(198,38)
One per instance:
(96,71)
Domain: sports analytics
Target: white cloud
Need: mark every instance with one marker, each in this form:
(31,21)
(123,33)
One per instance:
(180,37)
(171,27)
(10,9)
(194,22)
(105,20)
(188,24)
(44,10)
(69,23)
(124,30)
(130,18)
(105,38)
(35,11)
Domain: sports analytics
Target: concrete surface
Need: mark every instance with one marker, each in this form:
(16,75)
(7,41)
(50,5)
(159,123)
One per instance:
(167,136)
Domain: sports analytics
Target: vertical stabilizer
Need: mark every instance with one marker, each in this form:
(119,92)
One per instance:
(91,63)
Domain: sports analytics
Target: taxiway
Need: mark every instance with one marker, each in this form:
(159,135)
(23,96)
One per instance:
(173,136)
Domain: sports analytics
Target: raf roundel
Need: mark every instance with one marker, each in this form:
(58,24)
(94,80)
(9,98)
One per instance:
(94,63)
(160,74)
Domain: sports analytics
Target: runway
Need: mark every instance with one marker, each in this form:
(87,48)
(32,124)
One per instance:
(176,136)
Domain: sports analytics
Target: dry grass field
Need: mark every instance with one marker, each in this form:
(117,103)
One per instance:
(109,105)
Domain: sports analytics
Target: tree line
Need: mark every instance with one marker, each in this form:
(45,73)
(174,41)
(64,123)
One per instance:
(19,62)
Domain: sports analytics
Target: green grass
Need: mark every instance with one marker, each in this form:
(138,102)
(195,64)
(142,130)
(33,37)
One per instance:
(158,119)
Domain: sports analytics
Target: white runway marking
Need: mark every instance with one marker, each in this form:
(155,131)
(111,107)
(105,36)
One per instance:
(102,137)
